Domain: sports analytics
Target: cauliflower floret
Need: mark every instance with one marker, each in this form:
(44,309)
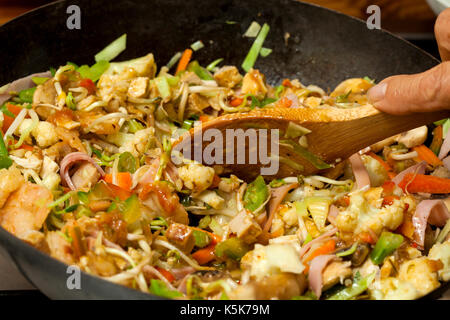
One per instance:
(196,177)
(272,259)
(136,145)
(45,134)
(377,173)
(10,180)
(421,273)
(395,289)
(49,173)
(361,215)
(441,251)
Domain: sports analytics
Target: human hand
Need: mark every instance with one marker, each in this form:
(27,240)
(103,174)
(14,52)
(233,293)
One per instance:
(423,92)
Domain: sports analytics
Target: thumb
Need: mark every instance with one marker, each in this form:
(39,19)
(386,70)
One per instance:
(423,92)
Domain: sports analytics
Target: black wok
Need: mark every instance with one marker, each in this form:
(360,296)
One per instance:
(324,48)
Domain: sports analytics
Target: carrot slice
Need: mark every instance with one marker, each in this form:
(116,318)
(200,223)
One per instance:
(124,180)
(236,102)
(7,120)
(205,255)
(167,274)
(425,154)
(284,103)
(423,183)
(184,60)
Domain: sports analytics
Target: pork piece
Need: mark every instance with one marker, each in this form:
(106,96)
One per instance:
(245,227)
(86,176)
(181,236)
(26,209)
(228,76)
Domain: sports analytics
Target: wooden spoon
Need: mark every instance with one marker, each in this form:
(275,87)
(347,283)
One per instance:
(336,134)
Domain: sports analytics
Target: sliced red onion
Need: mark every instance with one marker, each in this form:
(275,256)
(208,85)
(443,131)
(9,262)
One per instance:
(22,84)
(69,160)
(277,195)
(316,268)
(446,162)
(445,148)
(322,237)
(416,169)
(359,171)
(434,212)
(294,99)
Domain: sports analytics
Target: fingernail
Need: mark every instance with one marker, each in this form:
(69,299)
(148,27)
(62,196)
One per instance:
(377,93)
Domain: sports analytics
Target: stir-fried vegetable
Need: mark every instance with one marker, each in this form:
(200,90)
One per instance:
(415,183)
(159,288)
(256,194)
(359,286)
(113,49)
(199,71)
(184,60)
(254,52)
(304,153)
(386,244)
(233,248)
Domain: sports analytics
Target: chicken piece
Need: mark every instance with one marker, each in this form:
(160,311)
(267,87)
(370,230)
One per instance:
(58,151)
(281,286)
(37,240)
(102,265)
(86,119)
(59,247)
(228,76)
(138,87)
(190,78)
(181,236)
(26,209)
(45,94)
(229,184)
(245,227)
(71,138)
(86,176)
(10,180)
(254,83)
(355,89)
(336,272)
(196,103)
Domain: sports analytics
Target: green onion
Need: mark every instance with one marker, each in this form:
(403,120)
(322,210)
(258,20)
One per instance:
(304,153)
(159,288)
(197,45)
(199,71)
(277,183)
(27,95)
(163,86)
(69,101)
(343,98)
(5,160)
(98,69)
(386,244)
(278,91)
(252,30)
(348,252)
(309,295)
(39,80)
(61,199)
(187,124)
(265,52)
(134,126)
(359,286)
(230,22)
(445,127)
(204,222)
(214,64)
(369,80)
(174,60)
(252,55)
(113,49)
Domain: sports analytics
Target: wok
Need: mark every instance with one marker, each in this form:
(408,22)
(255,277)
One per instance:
(324,48)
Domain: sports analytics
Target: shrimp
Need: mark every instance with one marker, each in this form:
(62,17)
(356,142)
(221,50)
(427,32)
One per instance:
(26,209)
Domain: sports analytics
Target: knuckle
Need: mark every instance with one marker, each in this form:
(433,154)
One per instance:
(432,85)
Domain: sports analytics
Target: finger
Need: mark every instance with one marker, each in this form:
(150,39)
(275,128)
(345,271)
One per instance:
(423,92)
(442,32)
